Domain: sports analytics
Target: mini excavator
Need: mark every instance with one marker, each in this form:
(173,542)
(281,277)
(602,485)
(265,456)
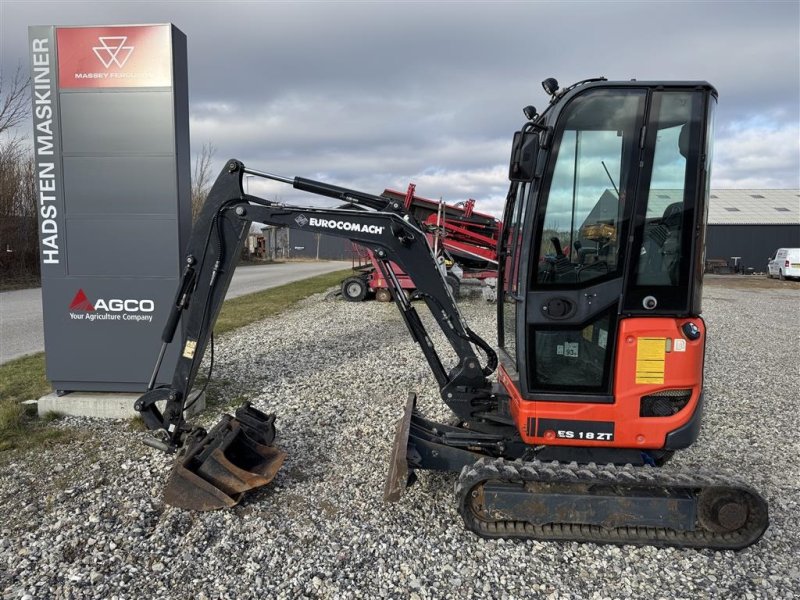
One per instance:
(600,342)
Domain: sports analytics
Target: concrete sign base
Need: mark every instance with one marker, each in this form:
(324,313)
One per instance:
(102,405)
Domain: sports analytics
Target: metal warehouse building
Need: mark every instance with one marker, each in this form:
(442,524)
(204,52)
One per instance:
(748,225)
(752,224)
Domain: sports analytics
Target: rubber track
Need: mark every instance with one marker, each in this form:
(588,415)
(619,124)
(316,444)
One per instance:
(518,471)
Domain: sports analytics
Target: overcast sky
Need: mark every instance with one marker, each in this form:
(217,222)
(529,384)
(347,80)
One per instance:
(379,94)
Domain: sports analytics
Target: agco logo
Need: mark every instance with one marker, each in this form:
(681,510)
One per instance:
(113,309)
(113,51)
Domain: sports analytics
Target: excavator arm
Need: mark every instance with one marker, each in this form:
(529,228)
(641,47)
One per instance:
(214,250)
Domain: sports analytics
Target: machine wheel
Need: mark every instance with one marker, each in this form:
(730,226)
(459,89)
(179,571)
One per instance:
(454,285)
(383,295)
(780,275)
(721,510)
(354,289)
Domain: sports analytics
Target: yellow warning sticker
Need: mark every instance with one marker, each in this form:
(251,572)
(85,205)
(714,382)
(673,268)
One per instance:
(189,348)
(650,358)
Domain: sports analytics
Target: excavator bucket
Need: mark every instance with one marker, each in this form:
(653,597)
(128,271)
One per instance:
(218,467)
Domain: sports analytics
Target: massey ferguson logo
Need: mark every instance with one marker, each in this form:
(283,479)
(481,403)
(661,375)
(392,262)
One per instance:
(113,51)
(301,220)
(113,309)
(114,56)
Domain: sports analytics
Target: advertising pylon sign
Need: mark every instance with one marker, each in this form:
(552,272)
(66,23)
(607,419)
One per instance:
(111,143)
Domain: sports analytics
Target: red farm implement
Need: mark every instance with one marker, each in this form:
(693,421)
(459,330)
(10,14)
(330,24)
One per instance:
(464,242)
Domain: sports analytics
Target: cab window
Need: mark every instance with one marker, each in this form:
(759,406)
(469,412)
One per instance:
(582,228)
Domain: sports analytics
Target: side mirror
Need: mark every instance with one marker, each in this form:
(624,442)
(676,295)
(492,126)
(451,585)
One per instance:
(524,152)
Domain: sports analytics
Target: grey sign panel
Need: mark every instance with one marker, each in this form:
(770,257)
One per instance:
(117,247)
(111,136)
(114,185)
(131,123)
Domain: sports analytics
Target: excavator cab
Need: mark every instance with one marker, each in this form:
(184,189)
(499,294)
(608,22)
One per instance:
(599,328)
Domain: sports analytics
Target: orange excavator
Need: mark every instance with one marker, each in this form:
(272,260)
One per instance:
(600,339)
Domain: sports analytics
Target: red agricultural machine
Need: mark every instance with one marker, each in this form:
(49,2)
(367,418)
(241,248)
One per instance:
(464,240)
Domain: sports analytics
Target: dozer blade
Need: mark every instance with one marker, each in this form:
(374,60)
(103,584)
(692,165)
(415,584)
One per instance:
(218,467)
(397,478)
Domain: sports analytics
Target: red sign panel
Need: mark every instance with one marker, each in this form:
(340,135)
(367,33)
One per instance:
(114,57)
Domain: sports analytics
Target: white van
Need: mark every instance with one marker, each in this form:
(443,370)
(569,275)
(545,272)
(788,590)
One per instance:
(785,263)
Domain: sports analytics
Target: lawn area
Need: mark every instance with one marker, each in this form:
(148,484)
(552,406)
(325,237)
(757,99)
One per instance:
(24,378)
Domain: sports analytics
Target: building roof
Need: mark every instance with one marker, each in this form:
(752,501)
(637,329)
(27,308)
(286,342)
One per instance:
(739,207)
(746,207)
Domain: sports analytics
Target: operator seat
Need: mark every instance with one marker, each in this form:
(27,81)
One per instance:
(671,249)
(660,261)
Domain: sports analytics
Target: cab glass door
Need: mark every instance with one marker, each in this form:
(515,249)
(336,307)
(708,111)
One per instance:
(582,230)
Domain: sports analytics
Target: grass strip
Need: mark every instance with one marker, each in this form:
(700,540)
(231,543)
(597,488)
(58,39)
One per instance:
(24,378)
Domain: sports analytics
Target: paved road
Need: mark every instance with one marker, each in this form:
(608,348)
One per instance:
(21,311)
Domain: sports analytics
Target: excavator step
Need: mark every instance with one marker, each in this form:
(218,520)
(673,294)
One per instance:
(609,505)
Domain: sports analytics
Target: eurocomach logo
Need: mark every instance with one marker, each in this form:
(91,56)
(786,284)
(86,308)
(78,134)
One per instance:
(343,225)
(112,309)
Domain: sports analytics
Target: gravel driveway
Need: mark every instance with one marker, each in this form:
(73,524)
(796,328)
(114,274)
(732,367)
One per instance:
(85,520)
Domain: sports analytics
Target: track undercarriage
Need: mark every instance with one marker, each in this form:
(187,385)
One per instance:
(500,493)
(607,504)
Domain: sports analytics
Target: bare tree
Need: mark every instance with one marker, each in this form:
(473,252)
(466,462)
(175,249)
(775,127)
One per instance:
(16,163)
(14,109)
(201,178)
(19,261)
(15,103)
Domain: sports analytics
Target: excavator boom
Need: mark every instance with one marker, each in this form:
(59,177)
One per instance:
(216,467)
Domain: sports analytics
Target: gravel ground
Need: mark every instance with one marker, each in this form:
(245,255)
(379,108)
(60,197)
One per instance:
(85,520)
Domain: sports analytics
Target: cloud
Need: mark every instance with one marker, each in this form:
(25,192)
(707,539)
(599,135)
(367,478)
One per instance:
(370,95)
(757,154)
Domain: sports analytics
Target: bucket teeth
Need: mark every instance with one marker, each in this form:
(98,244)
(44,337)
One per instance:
(218,468)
